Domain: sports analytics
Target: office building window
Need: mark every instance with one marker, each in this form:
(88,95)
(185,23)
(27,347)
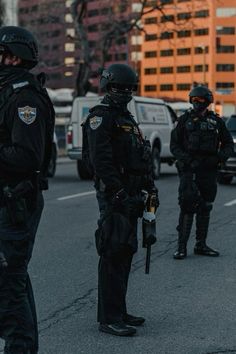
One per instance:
(199,68)
(167,70)
(151,54)
(184,16)
(225,49)
(183,51)
(150,20)
(150,71)
(69,47)
(184,33)
(201,50)
(183,87)
(202,13)
(70,61)
(149,88)
(225,30)
(151,37)
(68,73)
(68,18)
(93,12)
(166,87)
(225,67)
(121,56)
(69,3)
(104,11)
(164,2)
(225,85)
(167,18)
(226,12)
(70,32)
(201,31)
(167,35)
(167,53)
(183,69)
(92,28)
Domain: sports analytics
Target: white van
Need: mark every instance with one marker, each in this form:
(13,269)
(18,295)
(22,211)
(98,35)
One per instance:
(155,119)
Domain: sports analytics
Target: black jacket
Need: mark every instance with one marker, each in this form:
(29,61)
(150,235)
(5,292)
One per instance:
(118,150)
(26,130)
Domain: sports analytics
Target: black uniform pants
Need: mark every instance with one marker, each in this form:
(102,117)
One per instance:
(113,275)
(206,181)
(18,320)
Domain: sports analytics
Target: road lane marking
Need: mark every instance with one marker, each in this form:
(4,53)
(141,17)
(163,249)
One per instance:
(231,203)
(76,195)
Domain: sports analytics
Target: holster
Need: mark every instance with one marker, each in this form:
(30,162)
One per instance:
(115,237)
(16,203)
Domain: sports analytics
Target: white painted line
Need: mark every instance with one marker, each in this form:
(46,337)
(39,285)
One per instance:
(230,203)
(76,195)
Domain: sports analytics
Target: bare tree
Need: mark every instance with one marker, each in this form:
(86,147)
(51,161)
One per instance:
(119,23)
(2,12)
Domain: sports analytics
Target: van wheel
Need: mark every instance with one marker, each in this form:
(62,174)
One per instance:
(156,162)
(224,179)
(53,163)
(83,172)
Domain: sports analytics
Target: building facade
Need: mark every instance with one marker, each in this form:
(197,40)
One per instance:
(51,22)
(193,43)
(62,52)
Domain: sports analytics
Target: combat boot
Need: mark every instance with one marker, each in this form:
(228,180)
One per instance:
(184,228)
(117,329)
(201,248)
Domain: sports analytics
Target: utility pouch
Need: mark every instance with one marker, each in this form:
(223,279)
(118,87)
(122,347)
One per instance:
(15,202)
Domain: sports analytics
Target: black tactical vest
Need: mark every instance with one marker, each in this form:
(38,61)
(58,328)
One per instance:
(202,135)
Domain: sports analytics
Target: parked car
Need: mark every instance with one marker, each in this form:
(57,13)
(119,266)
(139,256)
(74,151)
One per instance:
(53,162)
(228,171)
(153,115)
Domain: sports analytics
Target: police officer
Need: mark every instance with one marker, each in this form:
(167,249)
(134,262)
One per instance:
(199,142)
(121,160)
(26,133)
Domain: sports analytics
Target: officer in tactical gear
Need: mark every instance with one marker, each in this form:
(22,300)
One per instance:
(121,159)
(199,142)
(26,135)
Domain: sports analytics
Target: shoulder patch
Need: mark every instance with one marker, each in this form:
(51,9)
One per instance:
(95,122)
(27,114)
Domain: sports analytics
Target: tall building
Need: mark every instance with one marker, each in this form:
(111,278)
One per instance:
(62,52)
(198,48)
(51,22)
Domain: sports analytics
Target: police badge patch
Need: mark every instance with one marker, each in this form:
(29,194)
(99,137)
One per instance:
(27,114)
(95,122)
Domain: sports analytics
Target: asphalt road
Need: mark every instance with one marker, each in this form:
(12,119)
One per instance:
(189,305)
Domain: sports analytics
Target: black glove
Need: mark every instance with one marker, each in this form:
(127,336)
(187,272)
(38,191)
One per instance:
(155,197)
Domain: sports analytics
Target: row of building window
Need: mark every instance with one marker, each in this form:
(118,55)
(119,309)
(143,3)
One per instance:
(187,69)
(180,34)
(187,51)
(186,87)
(180,16)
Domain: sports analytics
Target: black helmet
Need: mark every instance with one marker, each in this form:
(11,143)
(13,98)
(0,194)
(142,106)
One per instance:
(119,81)
(20,43)
(201,91)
